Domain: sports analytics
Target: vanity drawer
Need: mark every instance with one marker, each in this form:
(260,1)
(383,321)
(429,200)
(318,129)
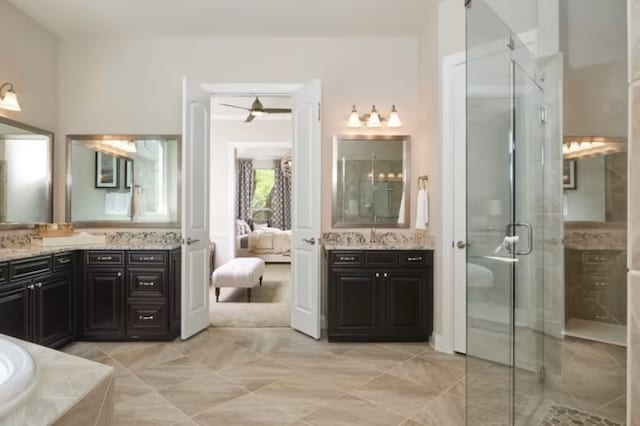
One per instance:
(347,258)
(415,259)
(29,267)
(599,258)
(380,258)
(600,283)
(147,283)
(147,258)
(4,273)
(104,258)
(147,319)
(63,262)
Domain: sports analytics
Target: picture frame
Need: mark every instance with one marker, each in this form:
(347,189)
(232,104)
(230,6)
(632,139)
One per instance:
(569,175)
(128,174)
(106,173)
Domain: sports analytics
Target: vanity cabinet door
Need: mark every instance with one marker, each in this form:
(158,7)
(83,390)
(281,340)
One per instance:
(406,305)
(354,304)
(15,312)
(54,311)
(104,310)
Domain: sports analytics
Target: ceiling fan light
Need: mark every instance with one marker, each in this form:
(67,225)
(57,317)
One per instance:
(374,118)
(257,113)
(394,118)
(354,118)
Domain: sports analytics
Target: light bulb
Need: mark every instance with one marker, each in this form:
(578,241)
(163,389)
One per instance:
(354,119)
(374,118)
(394,118)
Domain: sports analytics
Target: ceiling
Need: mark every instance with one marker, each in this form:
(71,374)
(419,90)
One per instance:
(286,18)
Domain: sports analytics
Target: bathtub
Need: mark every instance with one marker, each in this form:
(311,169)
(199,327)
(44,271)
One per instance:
(18,376)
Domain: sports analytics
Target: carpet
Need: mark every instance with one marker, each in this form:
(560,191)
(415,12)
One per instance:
(269,305)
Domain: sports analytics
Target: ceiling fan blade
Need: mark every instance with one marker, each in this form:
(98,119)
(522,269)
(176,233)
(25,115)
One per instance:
(236,106)
(277,110)
(250,118)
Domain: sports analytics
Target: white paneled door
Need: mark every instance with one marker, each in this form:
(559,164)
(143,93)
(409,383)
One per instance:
(195,209)
(305,244)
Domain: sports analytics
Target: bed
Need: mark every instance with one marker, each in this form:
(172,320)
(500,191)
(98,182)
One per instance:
(272,245)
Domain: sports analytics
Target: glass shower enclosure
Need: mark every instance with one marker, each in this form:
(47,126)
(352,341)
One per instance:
(505,232)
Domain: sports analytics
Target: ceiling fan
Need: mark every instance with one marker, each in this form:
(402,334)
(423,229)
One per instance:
(257,109)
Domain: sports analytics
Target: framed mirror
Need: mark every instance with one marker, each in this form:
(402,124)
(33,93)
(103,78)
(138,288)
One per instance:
(26,164)
(371,181)
(123,180)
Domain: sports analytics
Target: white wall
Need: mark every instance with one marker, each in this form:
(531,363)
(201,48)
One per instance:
(133,86)
(587,202)
(28,60)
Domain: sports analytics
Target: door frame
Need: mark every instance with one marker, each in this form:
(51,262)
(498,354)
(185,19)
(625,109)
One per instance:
(444,342)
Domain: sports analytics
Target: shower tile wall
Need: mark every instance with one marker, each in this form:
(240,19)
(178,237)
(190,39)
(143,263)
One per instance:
(633,378)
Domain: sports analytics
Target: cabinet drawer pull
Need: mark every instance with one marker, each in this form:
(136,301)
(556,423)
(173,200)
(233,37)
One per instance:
(386,275)
(148,258)
(377,274)
(601,317)
(31,287)
(146,317)
(414,259)
(105,257)
(147,283)
(601,284)
(64,261)
(119,274)
(347,259)
(39,285)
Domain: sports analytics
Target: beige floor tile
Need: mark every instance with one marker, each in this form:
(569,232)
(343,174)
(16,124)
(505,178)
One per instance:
(172,373)
(396,394)
(223,355)
(436,370)
(615,410)
(299,394)
(344,374)
(87,350)
(256,373)
(459,389)
(114,348)
(146,356)
(147,410)
(302,356)
(377,357)
(201,394)
(127,386)
(244,411)
(412,348)
(446,410)
(350,410)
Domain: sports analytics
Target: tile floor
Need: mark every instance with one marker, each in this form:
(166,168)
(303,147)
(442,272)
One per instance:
(276,376)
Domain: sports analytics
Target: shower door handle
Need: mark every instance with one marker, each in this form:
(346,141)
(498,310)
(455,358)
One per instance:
(511,230)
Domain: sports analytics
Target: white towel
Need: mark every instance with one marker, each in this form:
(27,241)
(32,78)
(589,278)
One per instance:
(565,205)
(422,209)
(401,210)
(139,209)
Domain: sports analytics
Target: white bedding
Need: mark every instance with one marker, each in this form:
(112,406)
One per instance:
(270,241)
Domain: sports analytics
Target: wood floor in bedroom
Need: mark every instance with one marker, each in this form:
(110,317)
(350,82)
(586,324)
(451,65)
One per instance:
(276,376)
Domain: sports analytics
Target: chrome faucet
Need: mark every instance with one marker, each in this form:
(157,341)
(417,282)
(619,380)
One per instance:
(373,238)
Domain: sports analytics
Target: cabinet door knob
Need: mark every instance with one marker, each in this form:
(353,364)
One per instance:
(39,285)
(31,287)
(119,274)
(386,275)
(377,274)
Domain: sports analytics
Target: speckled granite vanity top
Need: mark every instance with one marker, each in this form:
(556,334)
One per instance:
(384,240)
(374,246)
(595,239)
(32,251)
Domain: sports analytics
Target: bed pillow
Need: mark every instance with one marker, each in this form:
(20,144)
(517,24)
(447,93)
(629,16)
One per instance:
(242,227)
(260,226)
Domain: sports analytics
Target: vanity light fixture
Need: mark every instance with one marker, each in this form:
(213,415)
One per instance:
(575,147)
(9,100)
(374,119)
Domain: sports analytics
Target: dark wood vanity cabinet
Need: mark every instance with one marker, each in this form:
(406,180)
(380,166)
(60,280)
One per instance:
(130,295)
(380,295)
(36,300)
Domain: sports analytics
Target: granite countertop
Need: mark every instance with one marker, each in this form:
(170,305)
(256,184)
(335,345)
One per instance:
(374,246)
(64,380)
(13,253)
(595,239)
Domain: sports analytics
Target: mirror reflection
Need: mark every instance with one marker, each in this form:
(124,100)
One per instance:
(123,179)
(370,175)
(25,174)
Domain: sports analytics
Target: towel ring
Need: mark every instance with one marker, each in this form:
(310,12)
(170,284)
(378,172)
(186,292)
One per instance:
(422,181)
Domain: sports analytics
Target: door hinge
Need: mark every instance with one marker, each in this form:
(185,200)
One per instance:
(467,4)
(542,374)
(511,44)
(543,114)
(319,112)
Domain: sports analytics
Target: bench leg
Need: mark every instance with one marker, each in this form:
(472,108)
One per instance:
(260,280)
(217,294)
(249,295)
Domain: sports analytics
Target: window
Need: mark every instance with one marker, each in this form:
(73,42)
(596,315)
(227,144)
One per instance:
(264,181)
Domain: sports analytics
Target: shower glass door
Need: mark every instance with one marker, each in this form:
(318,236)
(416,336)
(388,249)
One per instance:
(505,267)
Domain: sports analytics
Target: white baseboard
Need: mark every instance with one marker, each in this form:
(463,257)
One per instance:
(441,344)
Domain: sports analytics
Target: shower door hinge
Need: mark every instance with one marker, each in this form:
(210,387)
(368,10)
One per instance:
(467,4)
(543,114)
(511,44)
(319,112)
(542,373)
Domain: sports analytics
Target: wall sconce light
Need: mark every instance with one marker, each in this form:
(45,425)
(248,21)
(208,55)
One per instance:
(9,100)
(374,119)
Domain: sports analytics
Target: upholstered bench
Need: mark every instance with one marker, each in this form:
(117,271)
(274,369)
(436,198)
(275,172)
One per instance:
(243,272)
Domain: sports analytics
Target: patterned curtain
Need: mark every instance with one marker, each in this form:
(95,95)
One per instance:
(244,190)
(280,199)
